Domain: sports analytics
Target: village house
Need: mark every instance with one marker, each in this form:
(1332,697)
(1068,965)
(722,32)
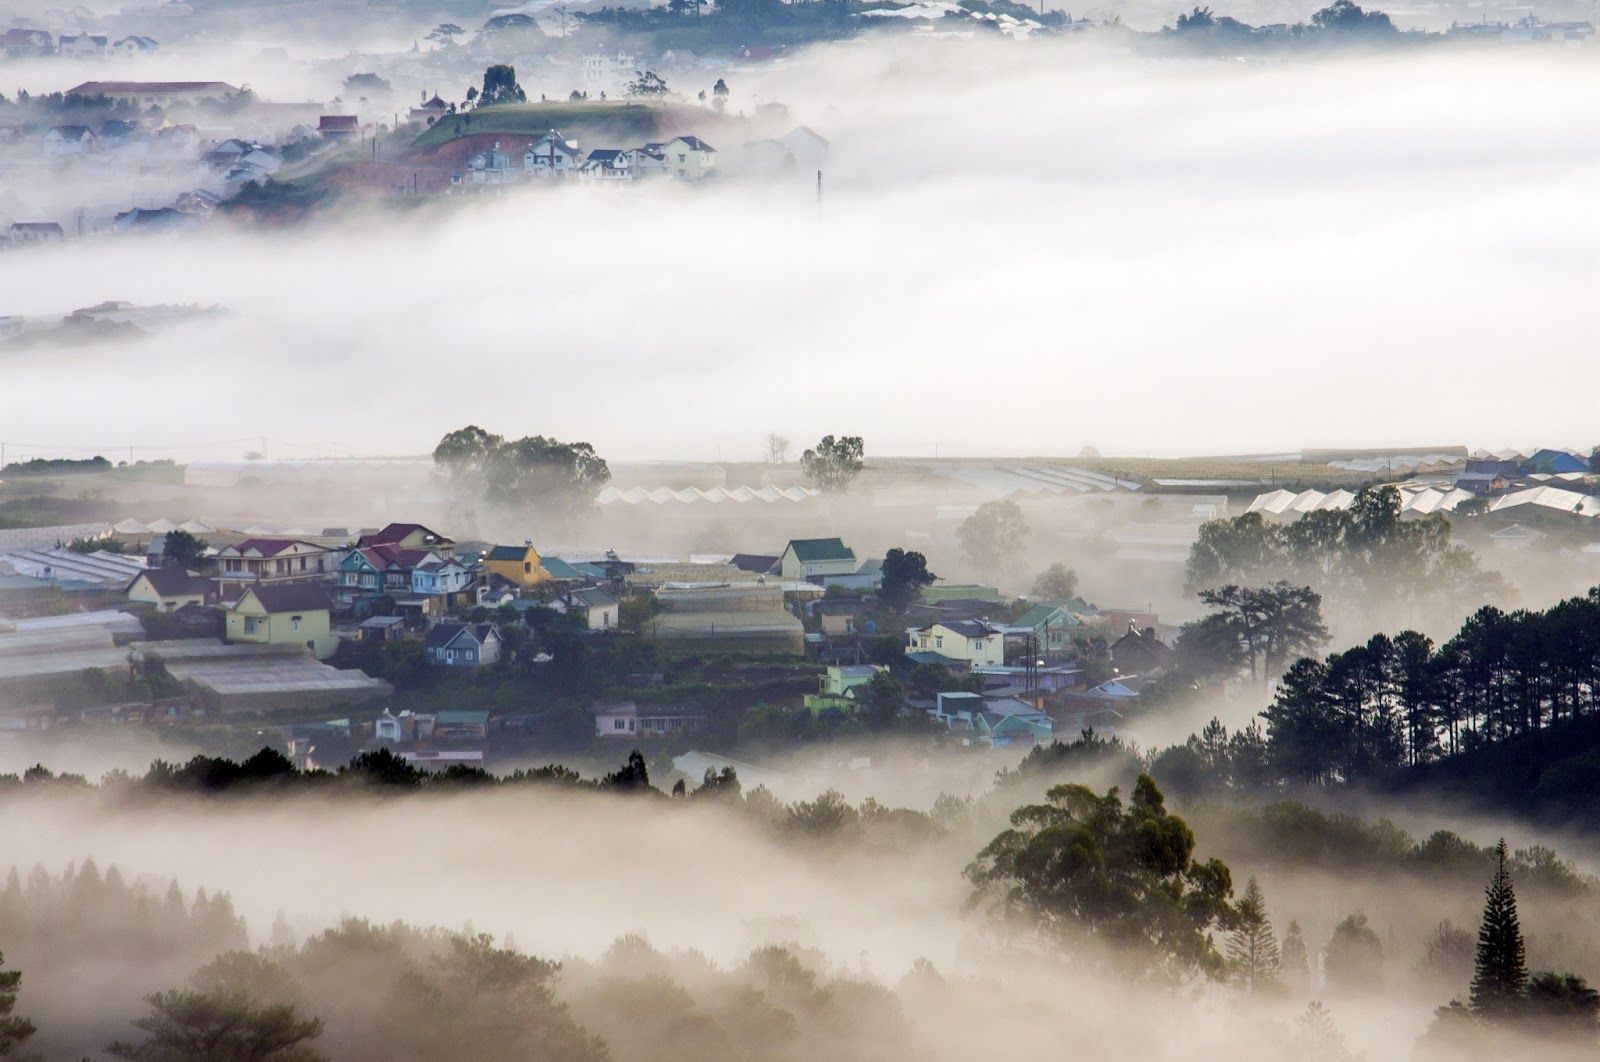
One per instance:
(380,630)
(607,164)
(689,158)
(647,161)
(809,559)
(429,111)
(458,727)
(82,46)
(518,565)
(623,719)
(462,645)
(428,581)
(840,686)
(284,614)
(26,232)
(63,141)
(974,643)
(410,536)
(1139,651)
(1050,624)
(837,618)
(274,560)
(162,94)
(598,610)
(338,126)
(552,155)
(18,43)
(486,167)
(169,589)
(136,45)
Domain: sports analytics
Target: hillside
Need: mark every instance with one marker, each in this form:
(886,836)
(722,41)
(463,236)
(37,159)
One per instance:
(591,123)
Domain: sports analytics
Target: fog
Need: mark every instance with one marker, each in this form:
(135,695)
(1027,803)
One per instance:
(1147,256)
(563,877)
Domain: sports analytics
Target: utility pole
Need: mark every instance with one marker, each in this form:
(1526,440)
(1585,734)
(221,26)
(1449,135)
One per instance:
(819,194)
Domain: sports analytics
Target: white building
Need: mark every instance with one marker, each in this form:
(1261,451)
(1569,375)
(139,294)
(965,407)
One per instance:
(552,155)
(608,74)
(62,141)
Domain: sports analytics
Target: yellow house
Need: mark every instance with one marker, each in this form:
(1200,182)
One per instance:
(519,564)
(973,642)
(169,588)
(287,614)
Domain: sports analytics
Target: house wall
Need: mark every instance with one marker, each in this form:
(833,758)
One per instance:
(793,568)
(982,652)
(604,618)
(606,724)
(524,572)
(838,625)
(686,162)
(143,593)
(247,621)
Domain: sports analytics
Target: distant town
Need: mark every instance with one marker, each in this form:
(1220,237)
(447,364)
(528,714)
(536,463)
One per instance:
(462,650)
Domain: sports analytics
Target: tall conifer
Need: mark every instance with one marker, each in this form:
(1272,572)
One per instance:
(1500,972)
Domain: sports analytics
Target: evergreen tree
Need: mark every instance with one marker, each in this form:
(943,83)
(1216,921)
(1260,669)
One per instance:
(13,1030)
(1296,961)
(1500,974)
(1252,946)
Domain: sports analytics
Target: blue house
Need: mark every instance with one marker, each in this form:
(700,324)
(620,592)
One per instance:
(466,645)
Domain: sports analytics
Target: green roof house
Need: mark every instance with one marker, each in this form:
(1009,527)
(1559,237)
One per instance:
(812,558)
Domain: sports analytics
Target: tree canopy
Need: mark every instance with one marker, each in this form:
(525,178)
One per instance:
(905,573)
(500,86)
(14,1029)
(535,474)
(1085,868)
(992,538)
(834,463)
(1055,583)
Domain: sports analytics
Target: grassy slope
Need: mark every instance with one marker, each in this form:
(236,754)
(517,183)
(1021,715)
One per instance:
(623,119)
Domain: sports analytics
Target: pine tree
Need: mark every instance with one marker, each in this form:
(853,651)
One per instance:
(1252,947)
(13,1030)
(1500,973)
(1296,960)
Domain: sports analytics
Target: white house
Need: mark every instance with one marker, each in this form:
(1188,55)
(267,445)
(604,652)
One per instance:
(598,609)
(82,46)
(607,164)
(647,161)
(552,155)
(689,158)
(489,167)
(809,148)
(62,141)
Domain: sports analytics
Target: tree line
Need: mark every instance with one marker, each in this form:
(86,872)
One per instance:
(1402,701)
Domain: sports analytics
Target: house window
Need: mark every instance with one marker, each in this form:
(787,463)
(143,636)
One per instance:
(619,724)
(294,623)
(938,642)
(527,567)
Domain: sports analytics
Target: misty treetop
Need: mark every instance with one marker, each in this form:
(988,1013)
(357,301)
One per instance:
(1365,560)
(544,477)
(834,463)
(1084,867)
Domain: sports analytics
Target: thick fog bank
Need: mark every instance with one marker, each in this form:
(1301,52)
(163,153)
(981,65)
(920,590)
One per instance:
(1149,256)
